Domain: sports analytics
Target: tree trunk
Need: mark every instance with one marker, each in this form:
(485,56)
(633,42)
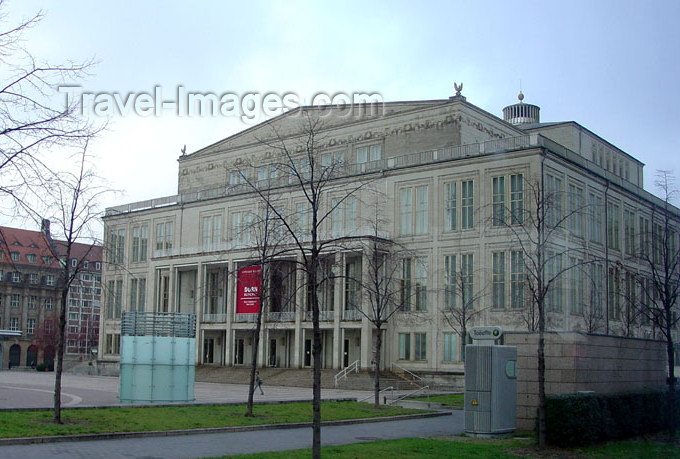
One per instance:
(253,365)
(60,356)
(376,375)
(316,395)
(541,380)
(672,415)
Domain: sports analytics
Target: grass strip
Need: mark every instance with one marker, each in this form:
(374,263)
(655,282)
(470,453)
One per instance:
(28,423)
(468,448)
(454,400)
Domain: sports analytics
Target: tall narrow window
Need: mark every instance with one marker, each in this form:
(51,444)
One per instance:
(421,284)
(404,346)
(405,212)
(629,231)
(467,278)
(498,197)
(450,207)
(421,210)
(143,242)
(467,204)
(613,226)
(421,346)
(406,283)
(517,199)
(449,347)
(553,200)
(576,204)
(450,282)
(498,280)
(577,286)
(516,279)
(595,204)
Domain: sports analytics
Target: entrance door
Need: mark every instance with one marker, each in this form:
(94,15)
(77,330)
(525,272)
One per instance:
(345,354)
(14,355)
(272,353)
(238,355)
(308,353)
(208,350)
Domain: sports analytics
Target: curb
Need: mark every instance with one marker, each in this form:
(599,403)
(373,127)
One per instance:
(168,433)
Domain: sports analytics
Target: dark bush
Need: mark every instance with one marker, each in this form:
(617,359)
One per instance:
(582,419)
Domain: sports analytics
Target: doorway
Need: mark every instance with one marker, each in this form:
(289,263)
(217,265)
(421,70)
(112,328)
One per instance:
(208,350)
(345,354)
(308,353)
(14,355)
(272,353)
(238,353)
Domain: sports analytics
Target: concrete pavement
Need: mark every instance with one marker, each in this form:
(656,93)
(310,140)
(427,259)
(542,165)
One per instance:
(31,389)
(28,389)
(221,444)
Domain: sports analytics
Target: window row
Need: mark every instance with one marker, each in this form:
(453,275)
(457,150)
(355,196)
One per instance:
(15,300)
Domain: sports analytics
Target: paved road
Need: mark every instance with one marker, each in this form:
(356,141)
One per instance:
(31,389)
(218,444)
(22,389)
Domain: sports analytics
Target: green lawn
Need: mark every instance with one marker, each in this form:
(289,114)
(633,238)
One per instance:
(29,423)
(467,448)
(455,400)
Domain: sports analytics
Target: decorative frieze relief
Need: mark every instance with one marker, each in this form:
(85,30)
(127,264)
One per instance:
(336,142)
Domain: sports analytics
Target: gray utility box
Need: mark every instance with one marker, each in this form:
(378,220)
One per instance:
(490,389)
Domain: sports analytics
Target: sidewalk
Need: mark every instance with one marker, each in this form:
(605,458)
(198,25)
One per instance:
(31,389)
(27,389)
(221,444)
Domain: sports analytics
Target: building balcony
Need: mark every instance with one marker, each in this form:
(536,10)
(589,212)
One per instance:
(217,317)
(352,314)
(285,316)
(346,170)
(324,316)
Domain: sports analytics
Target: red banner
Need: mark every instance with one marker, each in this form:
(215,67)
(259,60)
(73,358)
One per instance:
(248,285)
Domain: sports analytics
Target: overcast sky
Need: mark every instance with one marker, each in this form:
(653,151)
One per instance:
(611,66)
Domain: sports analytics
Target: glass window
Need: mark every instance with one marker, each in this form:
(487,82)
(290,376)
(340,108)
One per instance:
(404,346)
(450,282)
(421,346)
(449,347)
(498,197)
(498,280)
(450,207)
(466,204)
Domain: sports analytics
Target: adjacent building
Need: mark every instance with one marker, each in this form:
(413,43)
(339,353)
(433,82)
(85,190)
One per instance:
(30,298)
(450,181)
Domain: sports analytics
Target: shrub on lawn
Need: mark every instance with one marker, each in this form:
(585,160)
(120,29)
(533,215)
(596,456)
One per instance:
(582,419)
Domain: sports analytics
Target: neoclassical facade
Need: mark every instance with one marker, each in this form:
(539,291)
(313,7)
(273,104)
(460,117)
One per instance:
(451,181)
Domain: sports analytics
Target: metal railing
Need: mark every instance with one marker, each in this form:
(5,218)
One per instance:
(403,372)
(354,366)
(172,324)
(391,388)
(284,316)
(218,317)
(409,394)
(324,316)
(351,314)
(345,170)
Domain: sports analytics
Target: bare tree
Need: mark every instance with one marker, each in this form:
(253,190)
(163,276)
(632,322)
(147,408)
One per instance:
(660,285)
(35,121)
(535,223)
(267,238)
(381,298)
(299,161)
(462,303)
(75,211)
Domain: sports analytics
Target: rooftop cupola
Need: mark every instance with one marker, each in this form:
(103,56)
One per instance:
(522,113)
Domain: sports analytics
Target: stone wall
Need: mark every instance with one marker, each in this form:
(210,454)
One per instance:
(583,362)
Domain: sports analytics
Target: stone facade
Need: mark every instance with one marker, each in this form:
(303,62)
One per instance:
(578,362)
(438,168)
